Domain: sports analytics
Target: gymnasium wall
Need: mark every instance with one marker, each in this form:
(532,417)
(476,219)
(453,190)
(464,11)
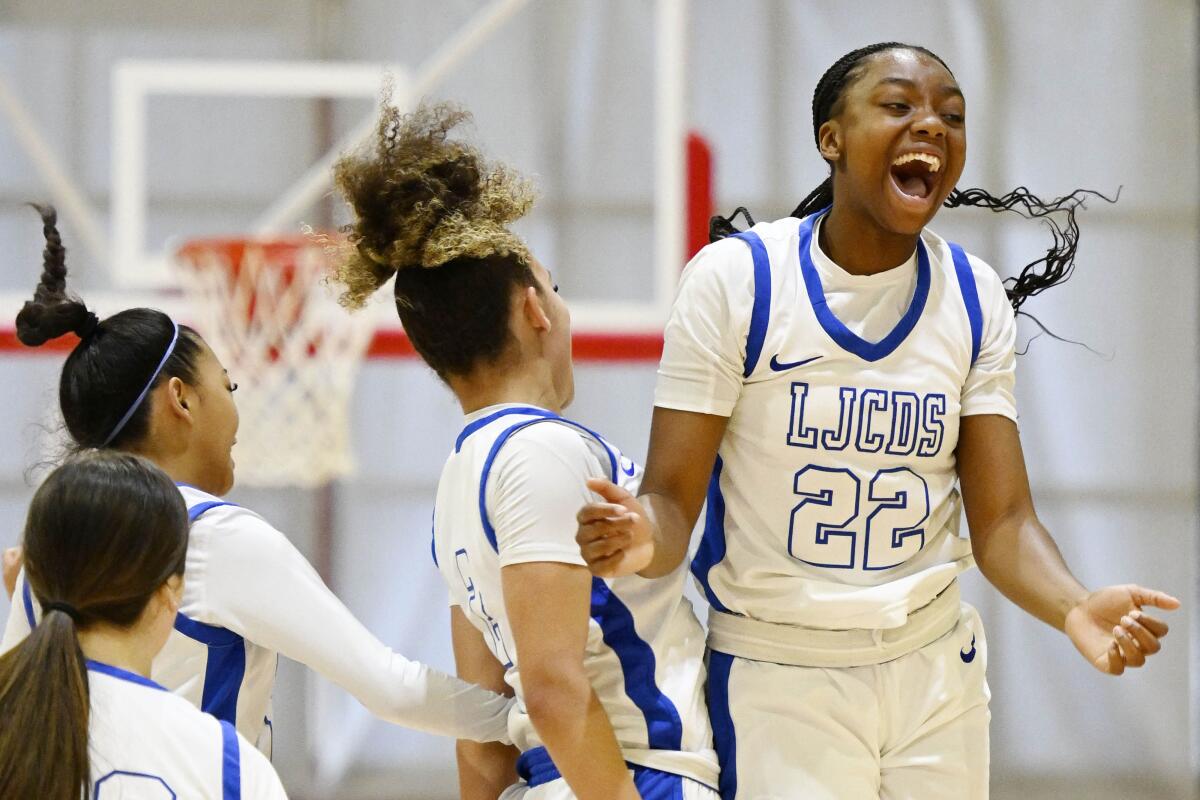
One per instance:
(1060,95)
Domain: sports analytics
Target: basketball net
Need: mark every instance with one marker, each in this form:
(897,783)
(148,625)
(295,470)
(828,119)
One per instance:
(267,311)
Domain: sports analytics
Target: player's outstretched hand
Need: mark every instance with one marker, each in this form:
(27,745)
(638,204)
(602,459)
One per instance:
(10,564)
(614,534)
(1110,629)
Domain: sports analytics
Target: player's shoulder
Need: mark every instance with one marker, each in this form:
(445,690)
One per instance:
(134,696)
(987,280)
(218,524)
(554,435)
(779,231)
(557,443)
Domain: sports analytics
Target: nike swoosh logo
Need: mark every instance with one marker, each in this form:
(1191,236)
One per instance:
(968,656)
(631,469)
(784,366)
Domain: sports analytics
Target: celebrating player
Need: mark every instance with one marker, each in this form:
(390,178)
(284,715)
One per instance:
(141,383)
(825,380)
(105,544)
(608,674)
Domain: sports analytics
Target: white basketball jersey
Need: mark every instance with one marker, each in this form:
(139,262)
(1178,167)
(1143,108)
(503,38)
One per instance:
(148,744)
(214,668)
(508,494)
(833,502)
(249,595)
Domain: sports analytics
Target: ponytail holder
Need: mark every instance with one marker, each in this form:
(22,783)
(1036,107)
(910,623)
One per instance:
(88,327)
(65,608)
(153,377)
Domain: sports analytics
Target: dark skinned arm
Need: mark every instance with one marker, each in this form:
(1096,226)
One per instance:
(1017,555)
(649,534)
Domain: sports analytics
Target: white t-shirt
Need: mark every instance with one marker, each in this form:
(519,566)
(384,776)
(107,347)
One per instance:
(508,495)
(144,742)
(249,595)
(834,502)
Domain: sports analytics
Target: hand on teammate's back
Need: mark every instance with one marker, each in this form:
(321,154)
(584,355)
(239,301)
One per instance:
(11,567)
(1110,629)
(615,536)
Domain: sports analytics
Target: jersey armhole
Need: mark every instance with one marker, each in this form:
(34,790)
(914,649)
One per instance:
(760,314)
(970,296)
(488,530)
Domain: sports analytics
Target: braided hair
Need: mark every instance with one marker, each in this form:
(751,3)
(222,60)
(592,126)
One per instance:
(113,359)
(1053,268)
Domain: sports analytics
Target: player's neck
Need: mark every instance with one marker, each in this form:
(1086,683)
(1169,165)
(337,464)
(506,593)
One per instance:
(118,648)
(860,247)
(180,467)
(528,384)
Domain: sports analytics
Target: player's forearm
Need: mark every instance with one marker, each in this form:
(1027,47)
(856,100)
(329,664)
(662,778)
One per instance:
(345,652)
(1019,557)
(485,770)
(672,534)
(576,731)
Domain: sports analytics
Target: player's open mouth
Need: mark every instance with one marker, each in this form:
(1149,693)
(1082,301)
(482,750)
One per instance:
(916,174)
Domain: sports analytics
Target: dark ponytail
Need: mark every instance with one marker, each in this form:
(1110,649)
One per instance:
(1059,214)
(115,358)
(104,533)
(52,313)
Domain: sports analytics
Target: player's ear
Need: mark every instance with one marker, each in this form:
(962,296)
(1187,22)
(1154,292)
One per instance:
(829,140)
(179,395)
(534,310)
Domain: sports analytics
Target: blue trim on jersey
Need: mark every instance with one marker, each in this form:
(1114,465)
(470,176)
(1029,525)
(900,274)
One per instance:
(970,295)
(536,768)
(231,763)
(760,313)
(663,725)
(224,670)
(197,510)
(504,412)
(27,597)
(724,735)
(433,536)
(225,667)
(488,530)
(664,728)
(97,788)
(711,550)
(843,336)
(123,674)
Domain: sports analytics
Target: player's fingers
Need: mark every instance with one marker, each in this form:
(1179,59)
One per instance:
(604,548)
(1111,661)
(1153,624)
(1130,653)
(609,490)
(609,526)
(1152,597)
(1147,642)
(594,511)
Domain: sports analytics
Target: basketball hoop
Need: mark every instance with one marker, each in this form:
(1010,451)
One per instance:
(265,308)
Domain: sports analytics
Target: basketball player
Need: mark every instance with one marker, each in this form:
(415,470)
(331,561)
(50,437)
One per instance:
(140,383)
(826,379)
(105,547)
(608,674)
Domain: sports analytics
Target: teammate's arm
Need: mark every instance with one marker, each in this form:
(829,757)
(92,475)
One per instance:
(1017,554)
(260,586)
(484,769)
(548,606)
(649,535)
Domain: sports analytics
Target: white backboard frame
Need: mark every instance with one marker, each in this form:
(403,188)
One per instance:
(138,267)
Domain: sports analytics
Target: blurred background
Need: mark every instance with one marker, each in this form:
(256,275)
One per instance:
(1076,93)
